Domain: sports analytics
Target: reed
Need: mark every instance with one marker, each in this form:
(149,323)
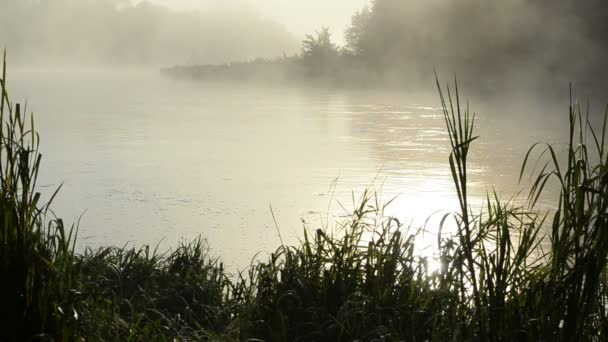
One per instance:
(36,249)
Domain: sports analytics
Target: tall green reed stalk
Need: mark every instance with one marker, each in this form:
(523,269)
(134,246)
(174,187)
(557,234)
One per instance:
(574,295)
(460,127)
(514,288)
(36,254)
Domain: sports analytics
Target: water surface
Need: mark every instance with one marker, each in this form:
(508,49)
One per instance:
(145,159)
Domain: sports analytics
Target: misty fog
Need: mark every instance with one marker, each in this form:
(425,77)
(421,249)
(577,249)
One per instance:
(118,32)
(506,44)
(530,44)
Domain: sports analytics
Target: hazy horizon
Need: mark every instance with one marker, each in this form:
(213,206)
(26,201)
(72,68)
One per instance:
(300,17)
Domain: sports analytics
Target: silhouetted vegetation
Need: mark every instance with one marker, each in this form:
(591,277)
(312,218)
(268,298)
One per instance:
(38,284)
(556,39)
(506,273)
(319,53)
(521,44)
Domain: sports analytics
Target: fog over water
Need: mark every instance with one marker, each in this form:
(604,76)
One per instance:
(149,158)
(299,16)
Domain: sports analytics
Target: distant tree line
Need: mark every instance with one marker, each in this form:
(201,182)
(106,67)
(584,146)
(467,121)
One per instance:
(558,40)
(479,36)
(492,44)
(563,40)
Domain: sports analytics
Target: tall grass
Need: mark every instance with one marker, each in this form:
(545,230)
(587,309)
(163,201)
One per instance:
(508,273)
(573,291)
(140,295)
(36,253)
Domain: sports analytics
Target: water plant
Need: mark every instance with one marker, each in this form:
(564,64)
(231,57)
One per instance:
(36,249)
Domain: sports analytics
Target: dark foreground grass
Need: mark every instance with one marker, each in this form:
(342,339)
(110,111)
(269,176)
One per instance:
(507,274)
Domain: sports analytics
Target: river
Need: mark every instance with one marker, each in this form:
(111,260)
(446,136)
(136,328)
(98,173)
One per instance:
(144,159)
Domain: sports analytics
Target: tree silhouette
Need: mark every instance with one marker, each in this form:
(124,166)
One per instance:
(355,33)
(319,53)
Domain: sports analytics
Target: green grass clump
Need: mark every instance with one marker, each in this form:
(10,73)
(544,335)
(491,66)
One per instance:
(363,283)
(140,295)
(506,273)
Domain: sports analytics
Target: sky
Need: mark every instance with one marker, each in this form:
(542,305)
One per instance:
(298,16)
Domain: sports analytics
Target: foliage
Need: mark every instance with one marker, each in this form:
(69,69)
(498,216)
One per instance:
(36,254)
(508,41)
(319,54)
(140,295)
(355,33)
(498,46)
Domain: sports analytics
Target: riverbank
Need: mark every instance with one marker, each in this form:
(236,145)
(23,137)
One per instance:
(356,279)
(350,74)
